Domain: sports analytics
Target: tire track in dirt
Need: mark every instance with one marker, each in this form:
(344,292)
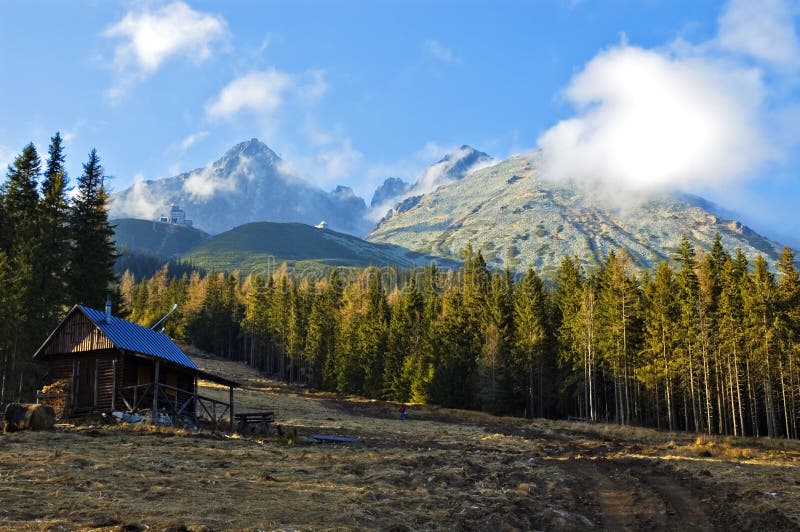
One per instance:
(682,506)
(632,496)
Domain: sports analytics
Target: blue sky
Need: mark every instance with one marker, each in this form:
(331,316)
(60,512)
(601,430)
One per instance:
(638,95)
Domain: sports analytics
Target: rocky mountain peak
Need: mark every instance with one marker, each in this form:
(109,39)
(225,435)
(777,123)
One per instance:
(250,153)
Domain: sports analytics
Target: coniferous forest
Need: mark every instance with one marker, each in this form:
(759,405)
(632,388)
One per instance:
(707,343)
(55,251)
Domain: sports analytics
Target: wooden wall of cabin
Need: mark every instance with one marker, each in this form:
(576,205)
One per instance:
(91,377)
(139,370)
(77,335)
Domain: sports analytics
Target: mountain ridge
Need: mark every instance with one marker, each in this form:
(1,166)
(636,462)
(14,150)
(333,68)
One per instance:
(248,183)
(517,219)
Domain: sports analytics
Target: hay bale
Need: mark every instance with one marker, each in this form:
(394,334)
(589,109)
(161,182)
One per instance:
(19,416)
(42,417)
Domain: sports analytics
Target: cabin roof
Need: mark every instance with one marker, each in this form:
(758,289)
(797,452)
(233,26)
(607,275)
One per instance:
(133,337)
(130,336)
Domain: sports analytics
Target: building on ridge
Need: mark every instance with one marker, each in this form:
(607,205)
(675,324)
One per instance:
(177,216)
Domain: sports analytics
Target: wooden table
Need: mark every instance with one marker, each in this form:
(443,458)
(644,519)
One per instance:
(245,420)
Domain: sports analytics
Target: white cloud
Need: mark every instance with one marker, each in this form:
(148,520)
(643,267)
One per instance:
(648,120)
(138,202)
(192,139)
(260,91)
(70,134)
(312,86)
(440,52)
(334,162)
(763,30)
(698,116)
(206,182)
(150,37)
(266,91)
(338,162)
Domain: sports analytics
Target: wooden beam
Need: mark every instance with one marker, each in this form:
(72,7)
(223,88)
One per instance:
(94,396)
(155,394)
(76,369)
(114,385)
(231,406)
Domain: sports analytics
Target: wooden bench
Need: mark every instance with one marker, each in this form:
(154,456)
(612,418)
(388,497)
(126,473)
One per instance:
(251,420)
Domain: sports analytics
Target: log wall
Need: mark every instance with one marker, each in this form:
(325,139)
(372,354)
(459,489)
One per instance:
(77,334)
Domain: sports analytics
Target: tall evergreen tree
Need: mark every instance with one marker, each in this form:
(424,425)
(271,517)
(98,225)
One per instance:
(24,250)
(530,340)
(55,231)
(93,253)
(661,337)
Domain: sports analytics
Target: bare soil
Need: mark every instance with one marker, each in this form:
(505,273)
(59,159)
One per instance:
(440,470)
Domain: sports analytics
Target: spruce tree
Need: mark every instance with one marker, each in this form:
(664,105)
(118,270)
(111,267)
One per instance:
(55,227)
(20,200)
(27,262)
(662,315)
(529,344)
(93,254)
(405,337)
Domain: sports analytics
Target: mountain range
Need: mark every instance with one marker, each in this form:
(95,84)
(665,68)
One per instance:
(520,220)
(249,183)
(506,209)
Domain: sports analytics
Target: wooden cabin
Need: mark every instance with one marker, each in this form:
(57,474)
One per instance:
(109,364)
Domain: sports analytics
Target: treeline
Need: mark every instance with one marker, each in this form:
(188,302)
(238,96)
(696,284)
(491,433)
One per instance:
(143,264)
(707,344)
(54,251)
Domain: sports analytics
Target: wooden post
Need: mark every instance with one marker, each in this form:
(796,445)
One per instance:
(113,384)
(155,394)
(231,399)
(94,397)
(195,410)
(76,369)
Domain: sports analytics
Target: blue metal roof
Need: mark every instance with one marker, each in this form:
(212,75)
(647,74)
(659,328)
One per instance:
(132,337)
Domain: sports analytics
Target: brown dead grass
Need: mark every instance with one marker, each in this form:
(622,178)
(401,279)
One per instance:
(441,470)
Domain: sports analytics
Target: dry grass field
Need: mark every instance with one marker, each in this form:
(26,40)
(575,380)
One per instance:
(440,470)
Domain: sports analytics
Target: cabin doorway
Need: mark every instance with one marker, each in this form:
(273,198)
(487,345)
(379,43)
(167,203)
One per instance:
(85,393)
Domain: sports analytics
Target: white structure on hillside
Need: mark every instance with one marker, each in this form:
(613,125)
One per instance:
(322,225)
(177,216)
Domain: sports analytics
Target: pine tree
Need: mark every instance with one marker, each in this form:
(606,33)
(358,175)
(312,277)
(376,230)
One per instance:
(372,333)
(570,336)
(405,338)
(788,337)
(26,262)
(760,307)
(255,324)
(55,232)
(453,354)
(530,327)
(418,367)
(8,295)
(20,201)
(662,315)
(618,313)
(93,254)
(320,339)
(498,338)
(688,296)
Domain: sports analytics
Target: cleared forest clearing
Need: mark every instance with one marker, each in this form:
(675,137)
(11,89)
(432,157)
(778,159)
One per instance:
(441,470)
